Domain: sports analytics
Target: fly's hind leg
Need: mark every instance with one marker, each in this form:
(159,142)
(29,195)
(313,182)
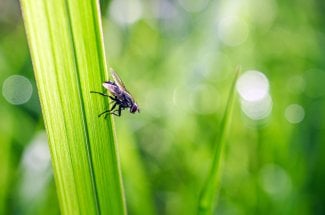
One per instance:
(113,98)
(102,94)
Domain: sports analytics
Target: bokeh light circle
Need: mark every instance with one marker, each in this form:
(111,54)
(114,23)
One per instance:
(294,113)
(37,155)
(252,86)
(126,11)
(257,110)
(17,89)
(275,181)
(255,100)
(232,31)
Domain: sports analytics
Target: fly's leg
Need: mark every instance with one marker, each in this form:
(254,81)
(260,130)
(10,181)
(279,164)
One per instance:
(102,94)
(116,114)
(111,111)
(113,98)
(119,111)
(108,111)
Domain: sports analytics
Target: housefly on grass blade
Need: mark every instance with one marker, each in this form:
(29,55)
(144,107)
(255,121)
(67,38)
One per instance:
(121,98)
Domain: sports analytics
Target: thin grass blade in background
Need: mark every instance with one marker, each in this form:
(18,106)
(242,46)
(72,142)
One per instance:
(66,46)
(210,188)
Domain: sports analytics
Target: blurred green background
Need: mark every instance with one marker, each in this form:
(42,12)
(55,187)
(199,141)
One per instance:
(178,59)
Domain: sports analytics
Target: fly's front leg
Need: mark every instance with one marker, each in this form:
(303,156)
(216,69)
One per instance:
(119,111)
(108,111)
(111,111)
(116,114)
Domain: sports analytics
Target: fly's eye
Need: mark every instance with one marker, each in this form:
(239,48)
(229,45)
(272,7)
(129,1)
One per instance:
(134,108)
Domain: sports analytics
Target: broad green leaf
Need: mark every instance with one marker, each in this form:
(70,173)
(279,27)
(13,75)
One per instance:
(66,46)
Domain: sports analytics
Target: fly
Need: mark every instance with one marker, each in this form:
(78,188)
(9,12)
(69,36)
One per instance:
(121,98)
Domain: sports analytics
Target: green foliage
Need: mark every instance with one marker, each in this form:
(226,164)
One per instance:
(177,58)
(67,51)
(210,189)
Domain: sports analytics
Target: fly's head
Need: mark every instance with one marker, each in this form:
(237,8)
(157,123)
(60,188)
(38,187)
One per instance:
(134,108)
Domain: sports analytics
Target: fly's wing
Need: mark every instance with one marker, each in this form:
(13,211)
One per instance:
(112,87)
(118,80)
(121,85)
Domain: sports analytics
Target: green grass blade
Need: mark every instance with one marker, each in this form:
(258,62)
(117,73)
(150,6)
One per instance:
(210,188)
(66,45)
